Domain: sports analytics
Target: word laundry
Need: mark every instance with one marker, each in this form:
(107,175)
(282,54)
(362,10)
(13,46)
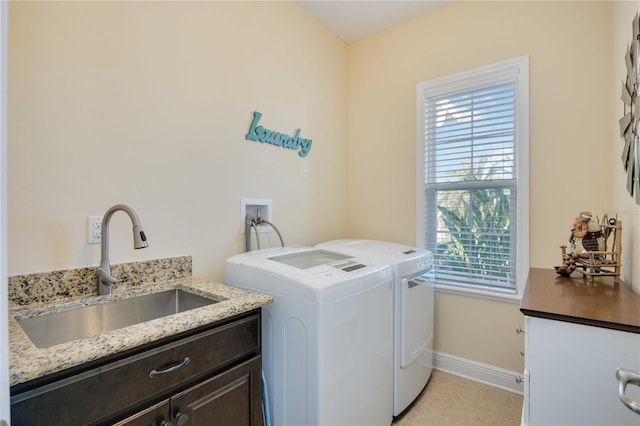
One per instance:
(259,133)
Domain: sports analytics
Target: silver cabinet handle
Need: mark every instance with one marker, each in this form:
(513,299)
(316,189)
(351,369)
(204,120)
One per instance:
(154,373)
(626,377)
(519,330)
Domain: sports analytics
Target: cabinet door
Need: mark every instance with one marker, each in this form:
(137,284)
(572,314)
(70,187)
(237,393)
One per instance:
(157,415)
(571,371)
(231,398)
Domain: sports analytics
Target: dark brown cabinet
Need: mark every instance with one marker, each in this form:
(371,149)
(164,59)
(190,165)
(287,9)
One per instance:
(156,415)
(227,399)
(210,377)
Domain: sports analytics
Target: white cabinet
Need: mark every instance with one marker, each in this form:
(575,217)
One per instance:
(570,374)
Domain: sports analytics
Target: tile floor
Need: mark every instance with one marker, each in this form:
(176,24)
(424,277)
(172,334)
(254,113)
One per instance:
(451,400)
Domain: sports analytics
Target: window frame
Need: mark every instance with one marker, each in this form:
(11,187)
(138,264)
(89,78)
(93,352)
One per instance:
(515,69)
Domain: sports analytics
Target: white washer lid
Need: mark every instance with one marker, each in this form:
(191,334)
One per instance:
(309,259)
(326,282)
(402,258)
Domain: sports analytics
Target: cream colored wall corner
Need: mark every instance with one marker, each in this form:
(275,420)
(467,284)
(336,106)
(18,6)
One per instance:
(570,84)
(147,103)
(481,330)
(627,210)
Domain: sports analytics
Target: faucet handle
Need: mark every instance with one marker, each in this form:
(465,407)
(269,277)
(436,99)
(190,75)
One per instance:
(105,276)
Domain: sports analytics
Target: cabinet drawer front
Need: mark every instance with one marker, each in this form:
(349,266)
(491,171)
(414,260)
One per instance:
(103,392)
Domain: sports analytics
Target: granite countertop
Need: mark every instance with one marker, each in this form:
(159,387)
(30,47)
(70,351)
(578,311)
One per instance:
(27,362)
(599,303)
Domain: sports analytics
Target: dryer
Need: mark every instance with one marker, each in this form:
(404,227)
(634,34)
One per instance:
(412,315)
(327,336)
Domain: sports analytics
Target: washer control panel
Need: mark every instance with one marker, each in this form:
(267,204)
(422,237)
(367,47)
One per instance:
(349,266)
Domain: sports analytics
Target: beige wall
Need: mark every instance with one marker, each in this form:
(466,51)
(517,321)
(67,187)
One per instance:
(147,103)
(569,46)
(623,15)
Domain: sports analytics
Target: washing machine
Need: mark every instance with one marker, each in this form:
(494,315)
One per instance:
(327,336)
(412,314)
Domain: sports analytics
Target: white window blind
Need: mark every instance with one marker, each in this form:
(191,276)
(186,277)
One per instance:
(469,131)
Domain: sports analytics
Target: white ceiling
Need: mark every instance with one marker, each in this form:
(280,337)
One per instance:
(356,19)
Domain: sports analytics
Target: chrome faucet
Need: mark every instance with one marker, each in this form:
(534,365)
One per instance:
(105,280)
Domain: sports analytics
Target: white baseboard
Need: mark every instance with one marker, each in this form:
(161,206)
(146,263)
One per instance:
(478,372)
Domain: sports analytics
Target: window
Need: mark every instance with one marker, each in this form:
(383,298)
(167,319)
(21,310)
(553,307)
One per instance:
(473,178)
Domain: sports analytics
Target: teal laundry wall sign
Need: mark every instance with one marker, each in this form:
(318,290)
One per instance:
(258,133)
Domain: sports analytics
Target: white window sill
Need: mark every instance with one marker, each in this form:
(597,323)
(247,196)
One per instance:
(496,294)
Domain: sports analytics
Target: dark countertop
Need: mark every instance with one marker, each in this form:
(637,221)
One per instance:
(599,303)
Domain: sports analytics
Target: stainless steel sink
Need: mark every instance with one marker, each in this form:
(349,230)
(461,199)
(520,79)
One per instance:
(61,327)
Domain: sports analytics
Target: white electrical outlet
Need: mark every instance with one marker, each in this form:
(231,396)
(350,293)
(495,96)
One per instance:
(94,235)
